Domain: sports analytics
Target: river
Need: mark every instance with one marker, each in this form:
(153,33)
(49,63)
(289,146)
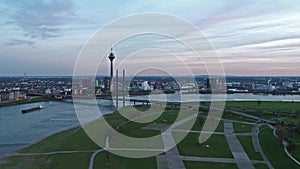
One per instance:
(18,130)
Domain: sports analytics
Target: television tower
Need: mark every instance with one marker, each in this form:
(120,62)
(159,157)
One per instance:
(111,58)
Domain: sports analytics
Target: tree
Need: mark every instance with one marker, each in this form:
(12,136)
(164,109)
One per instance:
(281,132)
(291,146)
(259,102)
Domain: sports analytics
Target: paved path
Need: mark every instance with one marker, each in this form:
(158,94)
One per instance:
(172,156)
(285,144)
(208,159)
(254,117)
(93,157)
(208,132)
(195,131)
(162,162)
(257,146)
(237,150)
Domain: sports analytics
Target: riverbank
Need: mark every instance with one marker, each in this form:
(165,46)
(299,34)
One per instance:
(25,101)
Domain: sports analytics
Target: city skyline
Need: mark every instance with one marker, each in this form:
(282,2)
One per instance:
(259,38)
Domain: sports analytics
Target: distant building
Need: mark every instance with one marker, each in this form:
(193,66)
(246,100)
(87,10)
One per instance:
(11,96)
(48,91)
(145,86)
(261,87)
(5,96)
(288,85)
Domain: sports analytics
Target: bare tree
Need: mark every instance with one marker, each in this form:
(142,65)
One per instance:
(259,102)
(291,146)
(281,132)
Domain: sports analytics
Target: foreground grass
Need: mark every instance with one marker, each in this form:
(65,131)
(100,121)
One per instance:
(71,140)
(217,146)
(231,116)
(274,150)
(266,105)
(247,144)
(106,160)
(207,165)
(242,127)
(59,161)
(296,153)
(261,166)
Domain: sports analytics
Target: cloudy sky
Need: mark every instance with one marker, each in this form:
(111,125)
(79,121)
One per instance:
(259,37)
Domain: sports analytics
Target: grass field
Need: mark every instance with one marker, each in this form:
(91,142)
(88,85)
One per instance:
(274,150)
(261,166)
(207,165)
(198,126)
(101,161)
(231,116)
(59,161)
(289,120)
(246,142)
(266,105)
(70,140)
(242,127)
(218,146)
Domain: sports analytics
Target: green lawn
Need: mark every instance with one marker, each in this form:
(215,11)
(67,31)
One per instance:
(242,127)
(274,151)
(247,144)
(26,162)
(218,146)
(197,126)
(261,166)
(207,165)
(117,162)
(289,120)
(73,139)
(231,116)
(133,129)
(59,161)
(294,137)
(296,152)
(266,105)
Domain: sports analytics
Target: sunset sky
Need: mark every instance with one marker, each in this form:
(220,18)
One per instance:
(259,37)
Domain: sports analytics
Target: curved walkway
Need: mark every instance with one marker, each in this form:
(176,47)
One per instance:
(91,164)
(257,146)
(285,144)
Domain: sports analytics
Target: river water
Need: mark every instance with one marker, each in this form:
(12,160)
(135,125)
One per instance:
(18,130)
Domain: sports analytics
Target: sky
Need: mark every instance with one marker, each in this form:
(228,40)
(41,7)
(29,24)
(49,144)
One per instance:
(253,37)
